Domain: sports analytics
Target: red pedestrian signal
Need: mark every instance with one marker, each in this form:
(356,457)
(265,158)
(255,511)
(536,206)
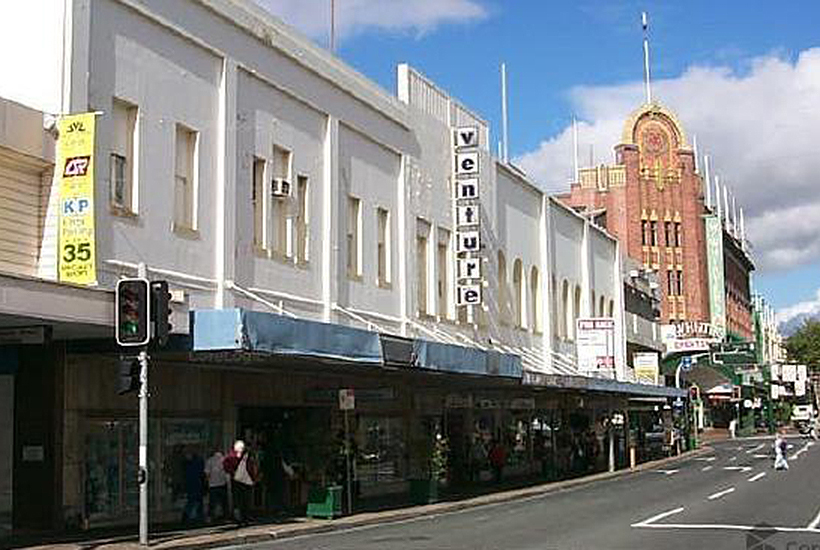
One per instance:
(133,311)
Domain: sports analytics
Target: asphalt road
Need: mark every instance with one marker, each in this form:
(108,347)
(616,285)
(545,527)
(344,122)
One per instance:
(731,498)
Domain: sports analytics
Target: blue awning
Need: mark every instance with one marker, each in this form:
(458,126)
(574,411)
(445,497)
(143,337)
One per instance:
(460,359)
(256,331)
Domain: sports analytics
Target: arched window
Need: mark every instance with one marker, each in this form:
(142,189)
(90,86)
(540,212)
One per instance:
(535,300)
(601,311)
(519,305)
(611,308)
(576,310)
(565,313)
(592,305)
(503,304)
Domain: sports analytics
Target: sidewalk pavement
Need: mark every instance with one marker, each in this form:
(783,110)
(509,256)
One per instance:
(225,535)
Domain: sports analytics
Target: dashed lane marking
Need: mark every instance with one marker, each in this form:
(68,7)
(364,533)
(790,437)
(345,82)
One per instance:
(738,468)
(757,448)
(721,493)
(666,472)
(706,468)
(757,476)
(706,458)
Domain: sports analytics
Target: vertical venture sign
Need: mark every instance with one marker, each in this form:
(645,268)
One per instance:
(467,177)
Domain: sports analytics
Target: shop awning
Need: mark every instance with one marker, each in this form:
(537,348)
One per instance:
(464,360)
(607,385)
(226,330)
(257,331)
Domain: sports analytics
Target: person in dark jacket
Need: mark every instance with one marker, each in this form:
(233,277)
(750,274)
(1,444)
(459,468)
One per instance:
(194,468)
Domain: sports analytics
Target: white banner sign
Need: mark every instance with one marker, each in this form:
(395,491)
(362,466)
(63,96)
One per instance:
(646,367)
(595,344)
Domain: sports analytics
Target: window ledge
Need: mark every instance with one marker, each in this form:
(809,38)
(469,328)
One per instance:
(355,278)
(123,212)
(185,232)
(384,285)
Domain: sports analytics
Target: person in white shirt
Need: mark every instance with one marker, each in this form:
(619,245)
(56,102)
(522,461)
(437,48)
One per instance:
(217,486)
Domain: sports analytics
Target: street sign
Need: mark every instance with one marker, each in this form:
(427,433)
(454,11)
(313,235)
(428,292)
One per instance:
(347,400)
(686,363)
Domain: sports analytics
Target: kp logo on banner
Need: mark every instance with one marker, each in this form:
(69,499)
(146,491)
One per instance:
(76,166)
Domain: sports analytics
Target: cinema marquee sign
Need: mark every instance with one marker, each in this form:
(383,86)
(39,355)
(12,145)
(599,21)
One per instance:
(467,177)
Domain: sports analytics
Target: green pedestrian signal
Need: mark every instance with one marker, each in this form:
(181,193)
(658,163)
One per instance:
(133,312)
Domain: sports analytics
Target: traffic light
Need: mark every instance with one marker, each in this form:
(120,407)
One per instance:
(161,311)
(694,393)
(129,375)
(133,311)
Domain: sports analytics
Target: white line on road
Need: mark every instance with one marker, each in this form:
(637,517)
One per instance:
(706,468)
(666,472)
(733,459)
(738,468)
(757,476)
(722,493)
(653,519)
(803,450)
(815,522)
(706,458)
(718,527)
(753,449)
(762,456)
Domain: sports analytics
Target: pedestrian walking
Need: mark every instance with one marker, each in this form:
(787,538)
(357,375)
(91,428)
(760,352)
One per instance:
(732,428)
(194,468)
(498,458)
(780,448)
(217,486)
(243,472)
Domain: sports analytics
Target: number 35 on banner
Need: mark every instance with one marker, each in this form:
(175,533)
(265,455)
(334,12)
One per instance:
(75,161)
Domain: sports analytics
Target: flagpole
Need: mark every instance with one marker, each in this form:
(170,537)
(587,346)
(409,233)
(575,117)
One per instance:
(645,22)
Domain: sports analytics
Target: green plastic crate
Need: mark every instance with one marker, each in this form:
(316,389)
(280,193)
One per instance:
(325,502)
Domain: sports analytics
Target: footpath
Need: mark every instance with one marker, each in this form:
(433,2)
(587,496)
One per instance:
(227,535)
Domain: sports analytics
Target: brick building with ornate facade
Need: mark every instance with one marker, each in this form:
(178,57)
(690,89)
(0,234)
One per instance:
(652,200)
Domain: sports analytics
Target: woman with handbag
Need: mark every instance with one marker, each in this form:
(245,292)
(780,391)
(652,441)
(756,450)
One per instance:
(243,472)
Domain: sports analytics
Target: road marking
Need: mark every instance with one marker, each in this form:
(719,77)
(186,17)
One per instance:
(706,468)
(706,458)
(757,476)
(718,527)
(733,459)
(815,522)
(653,519)
(722,493)
(738,468)
(753,449)
(762,456)
(666,472)
(803,450)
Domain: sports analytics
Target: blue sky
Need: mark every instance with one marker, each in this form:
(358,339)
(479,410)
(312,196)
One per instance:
(744,79)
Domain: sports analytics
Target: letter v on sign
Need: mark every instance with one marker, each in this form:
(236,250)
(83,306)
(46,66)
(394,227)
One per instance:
(467,136)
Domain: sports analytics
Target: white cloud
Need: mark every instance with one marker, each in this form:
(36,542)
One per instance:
(312,17)
(761,127)
(809,308)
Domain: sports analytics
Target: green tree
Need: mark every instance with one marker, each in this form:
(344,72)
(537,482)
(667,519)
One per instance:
(804,345)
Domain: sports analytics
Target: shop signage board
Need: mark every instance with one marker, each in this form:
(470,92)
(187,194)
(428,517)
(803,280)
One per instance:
(714,266)
(690,336)
(595,344)
(467,215)
(75,169)
(646,367)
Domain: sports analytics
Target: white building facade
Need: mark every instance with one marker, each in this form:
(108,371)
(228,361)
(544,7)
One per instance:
(255,172)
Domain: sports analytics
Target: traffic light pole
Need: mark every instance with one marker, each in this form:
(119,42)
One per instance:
(143,450)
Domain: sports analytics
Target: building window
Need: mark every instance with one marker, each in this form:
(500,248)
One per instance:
(123,159)
(520,305)
(601,307)
(566,317)
(503,303)
(280,193)
(354,232)
(654,233)
(422,267)
(678,234)
(302,220)
(383,246)
(535,300)
(611,308)
(185,178)
(667,232)
(443,272)
(576,310)
(670,283)
(644,232)
(260,205)
(680,283)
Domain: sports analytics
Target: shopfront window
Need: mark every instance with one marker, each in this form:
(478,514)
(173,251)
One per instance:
(111,469)
(381,453)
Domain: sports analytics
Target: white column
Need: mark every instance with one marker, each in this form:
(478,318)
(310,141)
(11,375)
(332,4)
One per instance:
(225,218)
(330,207)
(546,282)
